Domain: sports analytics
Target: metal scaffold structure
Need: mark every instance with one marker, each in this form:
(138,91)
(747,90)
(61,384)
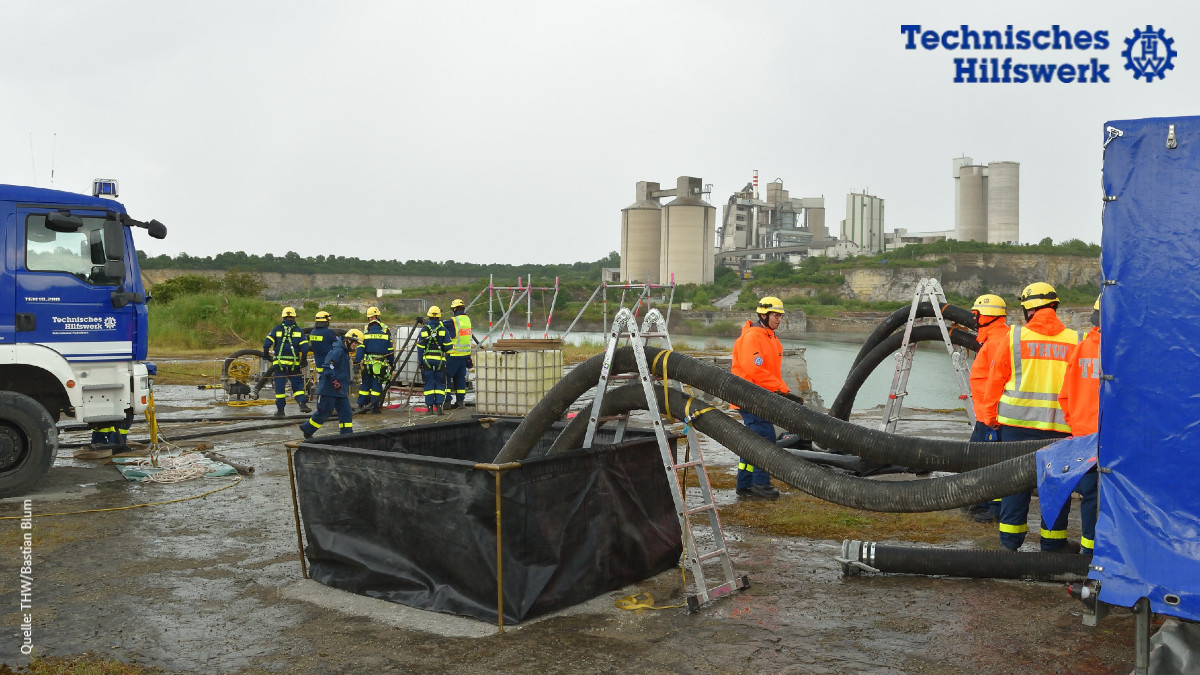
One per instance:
(520,292)
(645,300)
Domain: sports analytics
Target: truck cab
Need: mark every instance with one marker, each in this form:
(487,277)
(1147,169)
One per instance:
(73,322)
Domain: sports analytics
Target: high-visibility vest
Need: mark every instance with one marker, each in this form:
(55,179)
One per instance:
(1039,362)
(461,344)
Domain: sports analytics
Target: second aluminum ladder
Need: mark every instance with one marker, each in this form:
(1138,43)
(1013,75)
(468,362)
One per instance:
(931,290)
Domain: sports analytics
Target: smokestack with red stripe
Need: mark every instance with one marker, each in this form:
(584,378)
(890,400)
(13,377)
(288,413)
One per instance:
(756,183)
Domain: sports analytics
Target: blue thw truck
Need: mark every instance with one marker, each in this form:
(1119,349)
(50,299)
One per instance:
(73,321)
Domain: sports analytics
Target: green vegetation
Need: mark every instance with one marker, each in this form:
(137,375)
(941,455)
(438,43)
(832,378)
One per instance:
(212,322)
(924,253)
(234,282)
(294,262)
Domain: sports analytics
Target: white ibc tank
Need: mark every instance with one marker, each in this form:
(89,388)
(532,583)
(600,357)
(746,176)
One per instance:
(511,383)
(1003,202)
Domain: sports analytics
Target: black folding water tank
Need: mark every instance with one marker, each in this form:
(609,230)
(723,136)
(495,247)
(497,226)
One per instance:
(407,515)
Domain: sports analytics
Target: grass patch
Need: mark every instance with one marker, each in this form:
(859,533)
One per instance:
(796,514)
(79,664)
(189,372)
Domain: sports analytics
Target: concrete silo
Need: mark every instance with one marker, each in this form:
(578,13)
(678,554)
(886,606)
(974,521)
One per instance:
(688,231)
(641,236)
(972,223)
(1003,202)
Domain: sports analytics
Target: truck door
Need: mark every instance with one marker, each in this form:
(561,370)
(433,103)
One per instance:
(7,282)
(64,286)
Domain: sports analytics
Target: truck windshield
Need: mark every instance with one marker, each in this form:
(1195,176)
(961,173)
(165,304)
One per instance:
(79,253)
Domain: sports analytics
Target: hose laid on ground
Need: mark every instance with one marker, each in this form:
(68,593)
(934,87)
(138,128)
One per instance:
(934,494)
(180,420)
(872,557)
(205,434)
(900,317)
(877,446)
(844,403)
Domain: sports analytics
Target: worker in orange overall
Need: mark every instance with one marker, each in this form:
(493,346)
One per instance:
(1080,401)
(1022,398)
(991,318)
(758,358)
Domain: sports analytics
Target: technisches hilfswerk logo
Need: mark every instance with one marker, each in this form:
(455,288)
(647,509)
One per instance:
(978,53)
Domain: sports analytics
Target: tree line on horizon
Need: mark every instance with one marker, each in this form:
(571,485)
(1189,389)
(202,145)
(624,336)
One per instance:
(295,263)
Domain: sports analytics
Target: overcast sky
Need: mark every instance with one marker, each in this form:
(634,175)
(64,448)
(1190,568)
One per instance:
(515,131)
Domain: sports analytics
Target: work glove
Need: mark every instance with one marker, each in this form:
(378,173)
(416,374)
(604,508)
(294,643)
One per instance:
(266,354)
(337,385)
(470,362)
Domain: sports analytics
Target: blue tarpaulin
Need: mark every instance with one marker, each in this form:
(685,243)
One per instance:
(1060,466)
(1148,532)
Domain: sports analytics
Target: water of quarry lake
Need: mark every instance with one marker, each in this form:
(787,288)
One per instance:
(931,384)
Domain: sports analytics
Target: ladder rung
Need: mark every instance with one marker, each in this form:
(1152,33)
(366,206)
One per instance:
(713,554)
(700,509)
(688,464)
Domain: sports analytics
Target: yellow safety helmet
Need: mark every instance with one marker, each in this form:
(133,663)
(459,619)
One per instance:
(1097,305)
(989,305)
(372,312)
(322,316)
(434,312)
(457,302)
(1038,294)
(354,334)
(288,313)
(770,304)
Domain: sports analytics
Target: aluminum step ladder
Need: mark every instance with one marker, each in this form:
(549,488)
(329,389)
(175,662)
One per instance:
(624,327)
(931,290)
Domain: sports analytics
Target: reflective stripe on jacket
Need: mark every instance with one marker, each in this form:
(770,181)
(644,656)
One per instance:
(1037,363)
(287,343)
(460,335)
(320,340)
(1080,395)
(758,357)
(377,340)
(433,331)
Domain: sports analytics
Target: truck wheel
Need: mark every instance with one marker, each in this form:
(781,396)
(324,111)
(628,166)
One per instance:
(28,443)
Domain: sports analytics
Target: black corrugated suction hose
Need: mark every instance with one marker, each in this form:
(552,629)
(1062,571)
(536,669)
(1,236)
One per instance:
(962,563)
(877,446)
(934,494)
(844,403)
(899,317)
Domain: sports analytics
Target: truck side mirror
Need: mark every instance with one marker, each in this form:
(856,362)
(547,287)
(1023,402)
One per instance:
(115,269)
(63,222)
(157,229)
(114,241)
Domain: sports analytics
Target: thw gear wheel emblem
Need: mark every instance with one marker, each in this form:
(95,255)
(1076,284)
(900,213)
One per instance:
(1149,54)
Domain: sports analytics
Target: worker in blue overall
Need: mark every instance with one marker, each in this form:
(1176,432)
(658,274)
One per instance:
(374,357)
(287,348)
(458,358)
(432,345)
(333,387)
(320,340)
